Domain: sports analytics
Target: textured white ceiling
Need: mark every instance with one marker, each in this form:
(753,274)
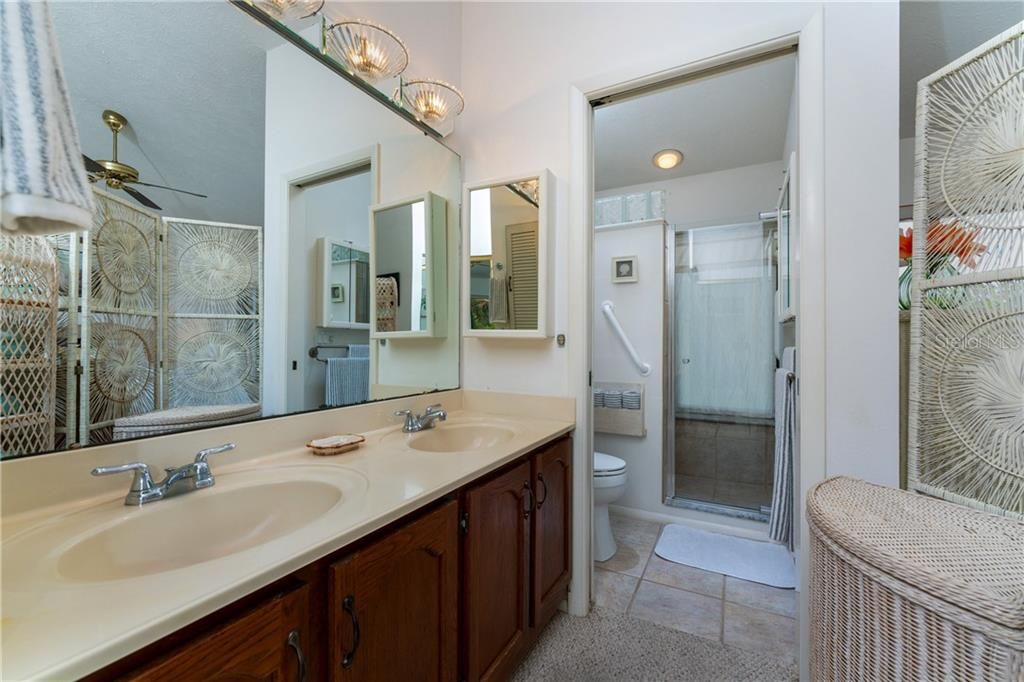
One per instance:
(190,78)
(733,119)
(933,34)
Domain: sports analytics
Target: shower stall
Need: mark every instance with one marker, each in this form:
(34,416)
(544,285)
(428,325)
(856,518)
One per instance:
(722,326)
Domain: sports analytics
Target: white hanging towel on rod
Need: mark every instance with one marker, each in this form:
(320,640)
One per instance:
(43,184)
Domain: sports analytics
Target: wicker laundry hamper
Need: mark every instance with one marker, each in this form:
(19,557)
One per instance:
(909,587)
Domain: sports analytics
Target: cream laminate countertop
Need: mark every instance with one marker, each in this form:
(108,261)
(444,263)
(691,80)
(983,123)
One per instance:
(54,627)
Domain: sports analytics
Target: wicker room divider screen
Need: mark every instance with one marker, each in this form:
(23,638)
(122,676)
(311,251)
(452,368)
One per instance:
(966,431)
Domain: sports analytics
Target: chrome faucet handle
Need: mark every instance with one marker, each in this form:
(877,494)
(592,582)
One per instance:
(203,454)
(403,413)
(142,484)
(411,421)
(434,408)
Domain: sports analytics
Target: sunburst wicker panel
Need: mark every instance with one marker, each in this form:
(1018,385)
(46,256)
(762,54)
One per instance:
(123,257)
(212,361)
(122,359)
(966,431)
(28,344)
(212,268)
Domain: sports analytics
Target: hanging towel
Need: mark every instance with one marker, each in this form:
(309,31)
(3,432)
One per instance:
(359,350)
(43,184)
(780,521)
(497,311)
(347,382)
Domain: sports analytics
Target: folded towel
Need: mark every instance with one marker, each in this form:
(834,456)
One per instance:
(359,350)
(347,381)
(43,184)
(498,310)
(780,521)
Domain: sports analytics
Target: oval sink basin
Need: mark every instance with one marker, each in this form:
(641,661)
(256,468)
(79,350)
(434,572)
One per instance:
(459,437)
(196,527)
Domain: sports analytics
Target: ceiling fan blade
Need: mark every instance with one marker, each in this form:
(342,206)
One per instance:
(141,198)
(91,165)
(173,189)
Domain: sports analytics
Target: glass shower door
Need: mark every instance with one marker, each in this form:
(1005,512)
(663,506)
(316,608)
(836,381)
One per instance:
(724,362)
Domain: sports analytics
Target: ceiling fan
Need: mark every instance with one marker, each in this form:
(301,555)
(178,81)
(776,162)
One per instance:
(120,175)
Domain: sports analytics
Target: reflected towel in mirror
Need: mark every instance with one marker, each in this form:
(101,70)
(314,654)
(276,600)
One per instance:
(497,312)
(347,381)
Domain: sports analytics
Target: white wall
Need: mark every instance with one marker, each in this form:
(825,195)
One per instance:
(315,119)
(522,122)
(638,306)
(725,197)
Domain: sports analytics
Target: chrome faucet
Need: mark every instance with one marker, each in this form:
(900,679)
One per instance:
(427,420)
(178,480)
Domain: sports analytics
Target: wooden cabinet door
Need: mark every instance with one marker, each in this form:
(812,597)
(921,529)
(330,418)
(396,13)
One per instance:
(496,574)
(394,605)
(267,643)
(552,529)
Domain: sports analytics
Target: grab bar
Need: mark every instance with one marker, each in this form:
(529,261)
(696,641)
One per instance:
(608,308)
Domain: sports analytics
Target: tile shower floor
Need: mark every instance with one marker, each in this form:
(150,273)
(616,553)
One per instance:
(725,463)
(735,612)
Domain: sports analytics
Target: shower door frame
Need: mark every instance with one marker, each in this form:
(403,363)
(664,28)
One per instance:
(668,403)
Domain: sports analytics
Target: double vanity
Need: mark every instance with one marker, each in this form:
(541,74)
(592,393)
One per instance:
(436,554)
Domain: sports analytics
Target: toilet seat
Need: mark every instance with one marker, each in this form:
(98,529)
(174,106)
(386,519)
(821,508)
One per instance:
(607,465)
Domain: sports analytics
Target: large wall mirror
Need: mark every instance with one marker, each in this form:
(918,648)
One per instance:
(506,267)
(245,291)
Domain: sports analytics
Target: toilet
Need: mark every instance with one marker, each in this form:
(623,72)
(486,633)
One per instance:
(609,484)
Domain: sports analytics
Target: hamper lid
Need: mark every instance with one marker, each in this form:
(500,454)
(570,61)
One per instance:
(960,555)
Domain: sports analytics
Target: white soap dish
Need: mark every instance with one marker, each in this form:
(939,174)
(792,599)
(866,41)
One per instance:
(335,445)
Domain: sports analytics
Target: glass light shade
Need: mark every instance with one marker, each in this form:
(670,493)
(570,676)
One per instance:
(668,158)
(290,10)
(367,50)
(432,101)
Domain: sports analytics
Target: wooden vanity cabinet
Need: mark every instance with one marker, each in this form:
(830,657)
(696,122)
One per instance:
(456,592)
(394,604)
(516,559)
(269,642)
(552,530)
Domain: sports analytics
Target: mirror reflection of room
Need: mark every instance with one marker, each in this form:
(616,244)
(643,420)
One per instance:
(225,275)
(504,247)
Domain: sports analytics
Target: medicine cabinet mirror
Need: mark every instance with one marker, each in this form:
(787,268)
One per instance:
(408,267)
(508,236)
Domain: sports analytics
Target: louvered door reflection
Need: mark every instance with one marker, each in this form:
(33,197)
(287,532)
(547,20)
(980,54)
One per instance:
(522,263)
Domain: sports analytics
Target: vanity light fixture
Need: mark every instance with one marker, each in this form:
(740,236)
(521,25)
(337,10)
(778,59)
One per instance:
(365,49)
(290,10)
(430,100)
(668,158)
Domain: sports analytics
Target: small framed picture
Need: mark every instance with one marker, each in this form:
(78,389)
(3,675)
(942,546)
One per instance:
(337,293)
(624,269)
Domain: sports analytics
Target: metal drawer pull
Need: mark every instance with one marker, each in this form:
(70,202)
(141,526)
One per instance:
(294,643)
(348,605)
(544,486)
(529,496)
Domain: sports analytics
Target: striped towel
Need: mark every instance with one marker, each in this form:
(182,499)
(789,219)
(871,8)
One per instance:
(359,350)
(780,521)
(43,184)
(348,381)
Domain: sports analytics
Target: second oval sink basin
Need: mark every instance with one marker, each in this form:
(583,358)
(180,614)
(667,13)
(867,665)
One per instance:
(459,437)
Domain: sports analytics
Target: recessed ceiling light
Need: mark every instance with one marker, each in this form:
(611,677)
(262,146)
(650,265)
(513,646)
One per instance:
(668,158)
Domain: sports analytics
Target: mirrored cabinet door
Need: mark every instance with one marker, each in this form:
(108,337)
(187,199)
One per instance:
(507,239)
(408,268)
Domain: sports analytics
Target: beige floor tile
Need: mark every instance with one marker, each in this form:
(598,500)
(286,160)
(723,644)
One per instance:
(757,630)
(677,609)
(613,591)
(684,577)
(628,559)
(758,596)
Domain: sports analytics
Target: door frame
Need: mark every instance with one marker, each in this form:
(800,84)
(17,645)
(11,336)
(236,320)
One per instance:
(809,285)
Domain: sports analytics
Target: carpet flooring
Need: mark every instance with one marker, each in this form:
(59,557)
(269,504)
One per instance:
(612,647)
